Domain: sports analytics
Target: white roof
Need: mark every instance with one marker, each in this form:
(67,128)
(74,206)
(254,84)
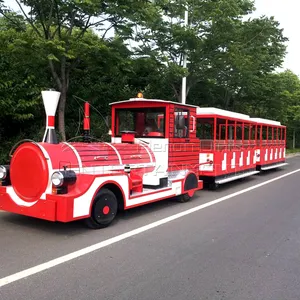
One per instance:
(221,112)
(265,121)
(151,100)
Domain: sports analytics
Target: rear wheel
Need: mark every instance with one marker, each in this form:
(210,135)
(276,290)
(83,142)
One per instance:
(104,210)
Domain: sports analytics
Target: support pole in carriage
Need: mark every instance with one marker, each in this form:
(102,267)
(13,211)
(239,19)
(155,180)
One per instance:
(86,123)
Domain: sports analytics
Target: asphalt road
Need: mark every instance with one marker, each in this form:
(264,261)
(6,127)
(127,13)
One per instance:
(246,247)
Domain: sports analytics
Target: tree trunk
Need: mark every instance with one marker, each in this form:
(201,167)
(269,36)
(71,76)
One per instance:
(294,138)
(61,113)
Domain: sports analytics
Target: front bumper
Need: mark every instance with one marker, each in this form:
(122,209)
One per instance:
(53,208)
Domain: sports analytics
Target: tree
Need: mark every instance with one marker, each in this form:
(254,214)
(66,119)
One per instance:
(223,48)
(60,26)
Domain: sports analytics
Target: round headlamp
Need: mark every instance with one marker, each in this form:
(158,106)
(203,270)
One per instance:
(57,179)
(3,172)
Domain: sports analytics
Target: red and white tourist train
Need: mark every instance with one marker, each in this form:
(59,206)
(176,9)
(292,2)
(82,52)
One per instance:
(158,150)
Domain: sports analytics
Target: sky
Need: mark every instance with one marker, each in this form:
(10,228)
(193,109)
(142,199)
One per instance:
(285,12)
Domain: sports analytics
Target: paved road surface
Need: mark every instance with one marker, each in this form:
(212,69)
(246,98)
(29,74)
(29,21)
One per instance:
(246,247)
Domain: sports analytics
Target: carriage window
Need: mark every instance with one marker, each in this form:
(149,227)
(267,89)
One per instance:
(230,130)
(146,122)
(239,131)
(221,129)
(205,128)
(253,131)
(264,132)
(270,133)
(259,132)
(246,132)
(181,117)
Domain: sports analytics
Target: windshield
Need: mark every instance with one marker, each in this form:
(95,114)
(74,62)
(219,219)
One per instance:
(146,122)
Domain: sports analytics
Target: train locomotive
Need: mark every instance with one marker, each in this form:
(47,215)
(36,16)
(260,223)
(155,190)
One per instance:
(143,163)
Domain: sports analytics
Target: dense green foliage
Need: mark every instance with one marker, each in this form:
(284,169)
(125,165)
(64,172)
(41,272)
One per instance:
(109,50)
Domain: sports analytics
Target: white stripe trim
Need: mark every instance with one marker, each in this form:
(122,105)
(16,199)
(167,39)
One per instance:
(77,155)
(117,152)
(103,169)
(50,168)
(11,192)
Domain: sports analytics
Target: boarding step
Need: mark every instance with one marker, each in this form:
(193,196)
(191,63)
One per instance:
(279,165)
(235,177)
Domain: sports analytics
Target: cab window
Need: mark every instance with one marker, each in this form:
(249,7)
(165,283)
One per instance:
(145,122)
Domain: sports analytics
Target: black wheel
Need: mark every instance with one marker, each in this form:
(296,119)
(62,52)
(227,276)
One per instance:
(183,198)
(104,210)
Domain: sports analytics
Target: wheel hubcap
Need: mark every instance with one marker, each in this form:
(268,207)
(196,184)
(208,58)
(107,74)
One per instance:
(106,210)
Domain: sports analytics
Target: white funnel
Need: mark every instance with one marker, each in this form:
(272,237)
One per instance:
(50,99)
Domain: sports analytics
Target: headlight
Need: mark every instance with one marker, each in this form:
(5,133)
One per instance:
(57,179)
(3,172)
(63,178)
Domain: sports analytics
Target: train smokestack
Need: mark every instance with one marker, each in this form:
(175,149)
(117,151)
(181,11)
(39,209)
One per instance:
(50,99)
(86,123)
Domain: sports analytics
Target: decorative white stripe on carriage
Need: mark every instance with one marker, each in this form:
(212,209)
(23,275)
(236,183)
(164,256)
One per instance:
(280,152)
(276,153)
(76,154)
(117,152)
(284,153)
(224,162)
(248,158)
(254,157)
(233,160)
(242,159)
(266,155)
(271,154)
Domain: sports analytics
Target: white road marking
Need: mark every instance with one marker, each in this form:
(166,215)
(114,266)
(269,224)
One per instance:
(63,259)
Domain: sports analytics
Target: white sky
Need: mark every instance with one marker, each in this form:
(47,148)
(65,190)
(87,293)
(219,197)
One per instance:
(285,11)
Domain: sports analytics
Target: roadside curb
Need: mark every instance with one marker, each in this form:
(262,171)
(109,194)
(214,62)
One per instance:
(292,155)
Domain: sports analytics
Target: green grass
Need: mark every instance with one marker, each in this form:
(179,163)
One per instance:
(296,150)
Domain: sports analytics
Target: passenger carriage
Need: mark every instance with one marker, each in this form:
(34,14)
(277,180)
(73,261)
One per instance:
(270,144)
(228,140)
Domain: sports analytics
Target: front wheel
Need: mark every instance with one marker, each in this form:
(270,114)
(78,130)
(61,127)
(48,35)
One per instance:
(104,210)
(184,198)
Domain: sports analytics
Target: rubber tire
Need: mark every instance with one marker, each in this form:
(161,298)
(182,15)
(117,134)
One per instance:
(184,198)
(105,197)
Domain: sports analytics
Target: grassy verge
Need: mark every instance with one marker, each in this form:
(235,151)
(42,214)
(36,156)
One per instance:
(290,151)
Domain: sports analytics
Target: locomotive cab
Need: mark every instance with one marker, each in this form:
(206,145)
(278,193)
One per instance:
(167,128)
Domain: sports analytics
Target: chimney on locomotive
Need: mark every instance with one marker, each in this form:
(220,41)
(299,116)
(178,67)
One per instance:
(50,99)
